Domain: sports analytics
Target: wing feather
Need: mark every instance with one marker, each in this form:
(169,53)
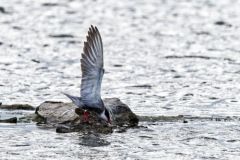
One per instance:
(92,69)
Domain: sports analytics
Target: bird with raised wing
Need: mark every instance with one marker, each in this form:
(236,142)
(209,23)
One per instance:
(92,74)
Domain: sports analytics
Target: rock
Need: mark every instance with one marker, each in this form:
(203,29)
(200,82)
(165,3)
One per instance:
(67,118)
(17,106)
(56,112)
(122,113)
(16,110)
(10,120)
(29,118)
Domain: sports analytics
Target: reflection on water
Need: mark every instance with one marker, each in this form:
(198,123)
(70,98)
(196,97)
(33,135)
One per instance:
(161,58)
(92,140)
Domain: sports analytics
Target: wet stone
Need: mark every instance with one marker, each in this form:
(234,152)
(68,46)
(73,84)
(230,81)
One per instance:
(9,120)
(67,118)
(17,107)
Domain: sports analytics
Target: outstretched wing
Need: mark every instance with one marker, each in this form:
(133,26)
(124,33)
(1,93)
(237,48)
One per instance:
(92,69)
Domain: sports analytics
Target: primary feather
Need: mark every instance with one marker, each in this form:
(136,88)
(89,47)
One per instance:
(92,70)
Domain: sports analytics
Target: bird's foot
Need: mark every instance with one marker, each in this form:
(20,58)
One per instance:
(86,116)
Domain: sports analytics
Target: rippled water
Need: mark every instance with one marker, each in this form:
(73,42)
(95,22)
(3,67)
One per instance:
(161,58)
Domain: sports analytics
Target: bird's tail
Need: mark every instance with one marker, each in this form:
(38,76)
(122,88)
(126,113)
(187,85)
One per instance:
(76,100)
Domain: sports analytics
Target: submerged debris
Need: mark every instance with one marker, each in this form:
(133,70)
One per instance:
(93,140)
(161,118)
(17,106)
(185,118)
(9,120)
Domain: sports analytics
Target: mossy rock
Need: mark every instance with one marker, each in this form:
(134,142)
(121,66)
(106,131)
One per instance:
(67,118)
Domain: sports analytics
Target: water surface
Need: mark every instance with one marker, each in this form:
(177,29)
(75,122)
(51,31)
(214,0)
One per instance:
(161,58)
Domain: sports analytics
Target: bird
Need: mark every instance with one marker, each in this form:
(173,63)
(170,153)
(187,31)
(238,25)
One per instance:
(92,66)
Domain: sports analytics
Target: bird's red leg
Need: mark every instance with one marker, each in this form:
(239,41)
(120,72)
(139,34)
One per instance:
(85,116)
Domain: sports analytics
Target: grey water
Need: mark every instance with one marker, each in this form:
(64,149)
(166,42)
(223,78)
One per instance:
(161,58)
